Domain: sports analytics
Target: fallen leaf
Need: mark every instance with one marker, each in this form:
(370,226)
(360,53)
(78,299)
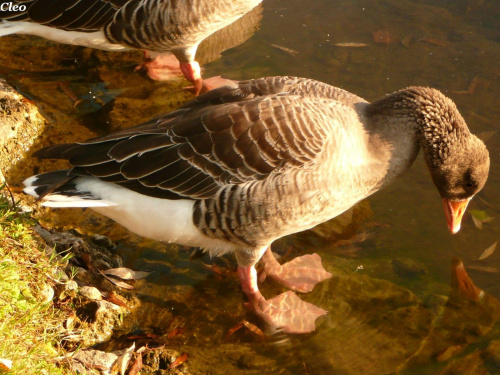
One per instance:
(176,332)
(407,40)
(285,49)
(477,222)
(126,273)
(462,284)
(179,361)
(479,214)
(113,298)
(124,359)
(483,269)
(137,365)
(5,364)
(450,352)
(488,252)
(233,330)
(384,36)
(252,327)
(64,86)
(351,44)
(473,84)
(119,283)
(87,259)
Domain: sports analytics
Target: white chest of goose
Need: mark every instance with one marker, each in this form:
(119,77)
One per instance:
(251,162)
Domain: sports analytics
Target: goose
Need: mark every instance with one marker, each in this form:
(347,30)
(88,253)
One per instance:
(247,163)
(158,27)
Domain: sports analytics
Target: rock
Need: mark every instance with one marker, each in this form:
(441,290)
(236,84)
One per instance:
(46,293)
(20,125)
(91,293)
(67,289)
(92,358)
(158,361)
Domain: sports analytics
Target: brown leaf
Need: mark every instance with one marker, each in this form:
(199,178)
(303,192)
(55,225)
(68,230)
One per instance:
(488,252)
(64,86)
(351,44)
(462,283)
(252,327)
(477,222)
(407,40)
(126,273)
(483,269)
(113,298)
(137,365)
(176,332)
(87,259)
(450,352)
(119,283)
(382,35)
(285,49)
(179,361)
(233,330)
(124,359)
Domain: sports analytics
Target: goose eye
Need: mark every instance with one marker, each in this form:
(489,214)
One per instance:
(469,184)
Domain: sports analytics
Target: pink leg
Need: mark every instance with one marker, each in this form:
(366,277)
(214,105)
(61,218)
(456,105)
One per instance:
(162,68)
(300,274)
(286,311)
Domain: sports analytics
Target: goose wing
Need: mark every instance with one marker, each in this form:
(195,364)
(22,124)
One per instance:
(231,135)
(71,15)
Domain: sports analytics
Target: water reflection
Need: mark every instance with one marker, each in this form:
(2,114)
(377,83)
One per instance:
(378,321)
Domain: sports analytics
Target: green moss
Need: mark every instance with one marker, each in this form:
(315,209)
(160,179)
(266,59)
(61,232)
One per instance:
(30,327)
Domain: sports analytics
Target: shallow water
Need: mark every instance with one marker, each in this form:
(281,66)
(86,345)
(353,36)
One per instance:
(384,316)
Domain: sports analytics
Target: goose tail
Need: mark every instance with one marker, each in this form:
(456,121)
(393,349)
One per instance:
(58,189)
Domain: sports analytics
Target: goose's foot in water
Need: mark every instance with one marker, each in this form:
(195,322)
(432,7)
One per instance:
(285,312)
(211,83)
(300,274)
(162,68)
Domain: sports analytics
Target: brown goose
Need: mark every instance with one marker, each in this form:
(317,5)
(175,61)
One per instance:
(159,27)
(248,163)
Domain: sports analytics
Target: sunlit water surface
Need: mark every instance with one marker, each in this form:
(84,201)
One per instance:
(386,300)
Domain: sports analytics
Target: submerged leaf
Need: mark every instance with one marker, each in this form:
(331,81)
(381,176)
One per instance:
(384,36)
(252,327)
(351,44)
(119,283)
(113,298)
(124,359)
(233,330)
(483,269)
(450,352)
(477,222)
(285,49)
(488,252)
(179,361)
(126,273)
(479,214)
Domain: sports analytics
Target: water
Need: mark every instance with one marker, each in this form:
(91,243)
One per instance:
(384,316)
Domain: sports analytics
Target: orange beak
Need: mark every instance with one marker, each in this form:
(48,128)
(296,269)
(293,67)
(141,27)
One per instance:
(454,211)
